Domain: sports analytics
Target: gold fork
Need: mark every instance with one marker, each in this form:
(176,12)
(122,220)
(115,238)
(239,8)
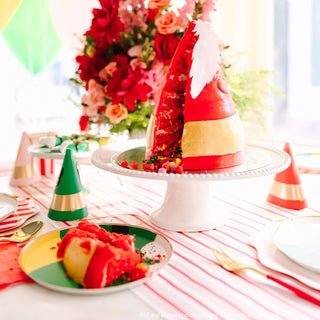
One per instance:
(232,265)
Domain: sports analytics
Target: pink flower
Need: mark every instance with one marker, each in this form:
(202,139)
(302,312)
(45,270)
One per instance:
(186,12)
(133,18)
(155,78)
(96,94)
(167,23)
(158,4)
(90,111)
(106,73)
(207,7)
(84,99)
(116,112)
(135,50)
(138,63)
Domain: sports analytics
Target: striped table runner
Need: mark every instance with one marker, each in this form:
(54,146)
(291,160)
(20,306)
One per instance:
(193,285)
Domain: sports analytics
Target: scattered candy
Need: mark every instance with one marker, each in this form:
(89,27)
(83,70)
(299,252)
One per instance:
(167,161)
(162,170)
(134,165)
(124,164)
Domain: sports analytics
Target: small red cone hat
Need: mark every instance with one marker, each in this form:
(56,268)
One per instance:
(286,190)
(25,170)
(196,102)
(68,201)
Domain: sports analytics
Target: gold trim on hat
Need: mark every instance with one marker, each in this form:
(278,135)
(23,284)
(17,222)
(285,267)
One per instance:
(287,191)
(26,171)
(212,137)
(69,202)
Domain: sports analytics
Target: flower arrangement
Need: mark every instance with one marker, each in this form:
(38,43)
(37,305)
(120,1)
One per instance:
(126,54)
(128,49)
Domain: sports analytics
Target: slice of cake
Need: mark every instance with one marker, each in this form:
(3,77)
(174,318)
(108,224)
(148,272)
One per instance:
(96,258)
(195,118)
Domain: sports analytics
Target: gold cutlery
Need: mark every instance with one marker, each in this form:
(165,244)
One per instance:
(235,266)
(25,233)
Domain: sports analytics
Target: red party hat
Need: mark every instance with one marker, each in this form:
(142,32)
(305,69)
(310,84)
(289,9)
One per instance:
(286,190)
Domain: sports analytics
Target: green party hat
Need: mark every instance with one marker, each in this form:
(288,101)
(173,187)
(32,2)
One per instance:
(68,200)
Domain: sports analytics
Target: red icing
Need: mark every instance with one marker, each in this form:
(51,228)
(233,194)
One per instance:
(216,162)
(86,245)
(72,233)
(211,104)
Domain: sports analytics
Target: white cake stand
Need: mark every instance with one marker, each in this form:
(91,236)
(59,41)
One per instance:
(188,204)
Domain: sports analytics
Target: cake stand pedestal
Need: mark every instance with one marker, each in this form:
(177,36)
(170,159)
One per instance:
(189,204)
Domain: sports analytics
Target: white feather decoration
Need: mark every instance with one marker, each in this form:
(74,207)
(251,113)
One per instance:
(205,57)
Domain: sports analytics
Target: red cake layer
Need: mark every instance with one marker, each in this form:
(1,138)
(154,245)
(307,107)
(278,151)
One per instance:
(114,255)
(108,264)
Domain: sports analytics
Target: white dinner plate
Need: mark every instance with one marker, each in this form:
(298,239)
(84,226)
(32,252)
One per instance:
(270,256)
(8,205)
(299,239)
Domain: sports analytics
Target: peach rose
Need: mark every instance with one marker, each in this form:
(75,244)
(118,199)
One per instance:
(116,112)
(158,4)
(167,23)
(106,73)
(96,94)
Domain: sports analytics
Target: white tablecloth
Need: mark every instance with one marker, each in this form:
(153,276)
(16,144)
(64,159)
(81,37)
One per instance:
(193,285)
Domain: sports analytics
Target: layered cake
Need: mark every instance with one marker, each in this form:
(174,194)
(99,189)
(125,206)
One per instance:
(195,120)
(95,258)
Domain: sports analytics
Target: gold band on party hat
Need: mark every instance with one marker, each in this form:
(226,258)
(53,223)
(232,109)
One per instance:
(70,202)
(26,171)
(287,191)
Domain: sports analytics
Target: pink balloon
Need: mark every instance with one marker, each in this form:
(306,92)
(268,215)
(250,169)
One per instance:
(71,19)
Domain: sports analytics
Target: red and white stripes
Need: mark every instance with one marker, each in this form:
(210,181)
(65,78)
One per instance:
(193,285)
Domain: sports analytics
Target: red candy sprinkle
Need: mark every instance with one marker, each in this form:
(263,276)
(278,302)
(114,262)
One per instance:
(179,169)
(124,164)
(134,165)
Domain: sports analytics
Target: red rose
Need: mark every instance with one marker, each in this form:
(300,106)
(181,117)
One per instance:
(83,123)
(125,85)
(166,45)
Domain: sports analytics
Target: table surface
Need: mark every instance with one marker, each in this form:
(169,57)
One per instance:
(192,285)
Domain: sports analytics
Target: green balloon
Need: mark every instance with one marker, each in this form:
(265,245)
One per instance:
(31,36)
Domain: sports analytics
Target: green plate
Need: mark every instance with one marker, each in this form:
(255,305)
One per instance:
(39,259)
